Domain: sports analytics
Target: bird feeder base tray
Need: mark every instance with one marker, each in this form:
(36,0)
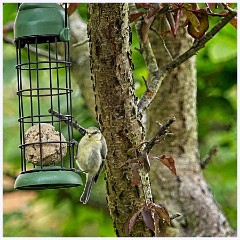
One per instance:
(47,178)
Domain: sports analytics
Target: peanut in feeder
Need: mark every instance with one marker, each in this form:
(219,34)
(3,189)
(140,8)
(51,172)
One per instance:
(50,150)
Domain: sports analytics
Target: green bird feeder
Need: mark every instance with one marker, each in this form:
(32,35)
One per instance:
(46,143)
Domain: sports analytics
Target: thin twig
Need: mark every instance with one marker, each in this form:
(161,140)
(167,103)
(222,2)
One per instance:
(151,63)
(163,131)
(227,7)
(175,215)
(80,43)
(163,42)
(210,156)
(156,75)
(68,121)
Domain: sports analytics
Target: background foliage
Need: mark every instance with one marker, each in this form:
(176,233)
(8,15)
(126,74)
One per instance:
(52,213)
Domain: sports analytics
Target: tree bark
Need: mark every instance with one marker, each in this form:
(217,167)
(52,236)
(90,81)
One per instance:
(111,68)
(188,193)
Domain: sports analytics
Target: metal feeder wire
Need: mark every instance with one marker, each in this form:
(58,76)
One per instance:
(47,146)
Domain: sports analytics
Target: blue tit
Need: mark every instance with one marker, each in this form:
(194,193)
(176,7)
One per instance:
(92,152)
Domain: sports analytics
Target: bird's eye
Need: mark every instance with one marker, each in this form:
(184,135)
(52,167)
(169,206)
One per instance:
(95,132)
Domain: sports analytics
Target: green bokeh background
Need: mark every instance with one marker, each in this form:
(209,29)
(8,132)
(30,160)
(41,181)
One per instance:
(57,213)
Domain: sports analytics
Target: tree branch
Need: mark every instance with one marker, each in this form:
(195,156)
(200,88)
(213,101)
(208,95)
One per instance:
(68,121)
(156,75)
(162,132)
(211,154)
(80,43)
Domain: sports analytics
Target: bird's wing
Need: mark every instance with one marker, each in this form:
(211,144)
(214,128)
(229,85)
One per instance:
(103,152)
(99,171)
(104,148)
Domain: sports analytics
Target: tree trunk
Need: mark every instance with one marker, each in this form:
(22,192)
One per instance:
(111,68)
(188,193)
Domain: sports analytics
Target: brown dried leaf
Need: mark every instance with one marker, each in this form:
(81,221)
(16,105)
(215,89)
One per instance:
(72,8)
(162,213)
(169,162)
(148,220)
(135,174)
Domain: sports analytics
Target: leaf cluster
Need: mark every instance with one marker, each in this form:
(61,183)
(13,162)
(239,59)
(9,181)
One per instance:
(155,216)
(196,17)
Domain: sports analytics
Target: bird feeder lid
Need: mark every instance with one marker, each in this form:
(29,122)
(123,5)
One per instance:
(41,19)
(47,178)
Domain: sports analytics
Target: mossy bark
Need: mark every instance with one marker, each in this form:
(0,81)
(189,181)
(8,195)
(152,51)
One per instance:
(111,67)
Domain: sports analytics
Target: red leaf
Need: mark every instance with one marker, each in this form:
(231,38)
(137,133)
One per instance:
(135,16)
(199,31)
(177,19)
(131,222)
(154,10)
(148,220)
(191,16)
(135,174)
(169,162)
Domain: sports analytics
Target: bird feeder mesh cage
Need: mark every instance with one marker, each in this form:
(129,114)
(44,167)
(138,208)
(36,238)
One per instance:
(43,80)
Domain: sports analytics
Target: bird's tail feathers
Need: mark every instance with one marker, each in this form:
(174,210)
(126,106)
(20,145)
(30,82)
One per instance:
(86,192)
